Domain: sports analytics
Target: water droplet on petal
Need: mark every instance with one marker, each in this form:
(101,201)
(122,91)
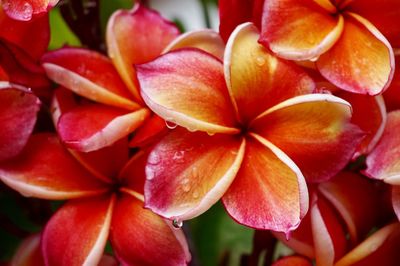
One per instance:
(170,124)
(177,223)
(179,156)
(211,133)
(260,61)
(154,159)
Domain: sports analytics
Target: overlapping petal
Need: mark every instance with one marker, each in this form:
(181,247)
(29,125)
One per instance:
(93,126)
(396,200)
(383,162)
(77,233)
(152,129)
(133,174)
(92,76)
(292,261)
(392,94)
(269,191)
(188,172)
(46,170)
(140,237)
(28,252)
(361,61)
(187,87)
(299,29)
(256,78)
(135,37)
(18,113)
(24,9)
(309,128)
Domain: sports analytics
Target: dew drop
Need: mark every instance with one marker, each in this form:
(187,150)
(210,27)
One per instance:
(154,159)
(178,156)
(260,61)
(177,223)
(211,133)
(170,124)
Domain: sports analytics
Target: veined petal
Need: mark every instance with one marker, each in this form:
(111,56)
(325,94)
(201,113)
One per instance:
(136,234)
(24,9)
(28,253)
(188,172)
(18,111)
(369,114)
(309,128)
(33,37)
(396,200)
(206,40)
(383,162)
(362,60)
(187,87)
(46,170)
(381,248)
(94,126)
(373,10)
(299,29)
(269,191)
(136,37)
(151,130)
(92,76)
(292,261)
(77,233)
(256,78)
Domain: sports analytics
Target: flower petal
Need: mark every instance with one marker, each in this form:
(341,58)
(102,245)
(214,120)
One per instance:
(256,78)
(152,130)
(77,233)
(133,175)
(206,40)
(46,170)
(135,37)
(18,113)
(188,172)
(299,29)
(362,60)
(92,76)
(373,10)
(269,191)
(94,126)
(309,128)
(140,237)
(392,94)
(383,161)
(24,9)
(28,253)
(292,261)
(396,200)
(187,87)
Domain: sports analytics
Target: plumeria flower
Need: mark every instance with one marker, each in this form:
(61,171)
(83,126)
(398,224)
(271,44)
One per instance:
(338,219)
(267,127)
(292,261)
(133,37)
(103,190)
(383,162)
(18,114)
(24,10)
(392,94)
(350,40)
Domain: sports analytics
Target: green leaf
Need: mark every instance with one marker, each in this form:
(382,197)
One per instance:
(60,33)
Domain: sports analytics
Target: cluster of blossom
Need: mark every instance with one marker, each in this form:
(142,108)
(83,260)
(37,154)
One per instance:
(288,115)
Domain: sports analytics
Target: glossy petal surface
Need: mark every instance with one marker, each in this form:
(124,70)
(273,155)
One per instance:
(46,170)
(91,127)
(312,127)
(188,172)
(17,118)
(256,78)
(361,61)
(269,192)
(383,162)
(187,87)
(299,29)
(77,232)
(136,234)
(135,37)
(92,76)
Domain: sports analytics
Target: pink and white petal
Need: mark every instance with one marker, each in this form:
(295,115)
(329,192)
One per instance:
(46,170)
(299,30)
(362,60)
(396,200)
(136,234)
(95,126)
(369,114)
(292,260)
(129,41)
(256,78)
(77,233)
(151,131)
(207,40)
(373,10)
(383,162)
(188,172)
(392,94)
(269,192)
(187,87)
(309,128)
(63,100)
(92,76)
(28,253)
(381,248)
(31,36)
(24,10)
(18,113)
